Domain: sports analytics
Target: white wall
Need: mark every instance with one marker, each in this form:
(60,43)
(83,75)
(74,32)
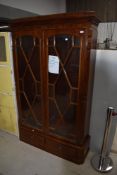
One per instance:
(104,95)
(41,7)
(105,87)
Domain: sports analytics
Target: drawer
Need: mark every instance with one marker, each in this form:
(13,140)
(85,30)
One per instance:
(53,146)
(31,136)
(68,151)
(63,150)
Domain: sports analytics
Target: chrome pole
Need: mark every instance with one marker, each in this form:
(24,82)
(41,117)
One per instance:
(102,162)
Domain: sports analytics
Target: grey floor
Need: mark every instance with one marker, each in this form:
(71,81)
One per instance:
(18,158)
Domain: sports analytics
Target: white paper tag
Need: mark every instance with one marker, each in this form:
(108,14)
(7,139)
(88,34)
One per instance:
(53,64)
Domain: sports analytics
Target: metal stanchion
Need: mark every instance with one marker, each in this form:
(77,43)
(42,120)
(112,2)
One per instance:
(102,162)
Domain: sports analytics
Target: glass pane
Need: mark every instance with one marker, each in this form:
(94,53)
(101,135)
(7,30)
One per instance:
(74,96)
(76,41)
(52,51)
(27,43)
(67,127)
(21,85)
(38,88)
(29,85)
(63,43)
(53,113)
(21,62)
(72,66)
(36,106)
(51,90)
(2,49)
(52,76)
(51,41)
(62,93)
(27,116)
(35,63)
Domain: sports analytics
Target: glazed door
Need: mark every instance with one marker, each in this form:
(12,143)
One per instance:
(28,78)
(64,60)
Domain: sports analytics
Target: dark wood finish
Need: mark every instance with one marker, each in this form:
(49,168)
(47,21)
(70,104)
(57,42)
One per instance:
(54,109)
(48,20)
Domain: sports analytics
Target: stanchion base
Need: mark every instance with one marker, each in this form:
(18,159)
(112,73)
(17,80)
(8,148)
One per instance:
(102,164)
